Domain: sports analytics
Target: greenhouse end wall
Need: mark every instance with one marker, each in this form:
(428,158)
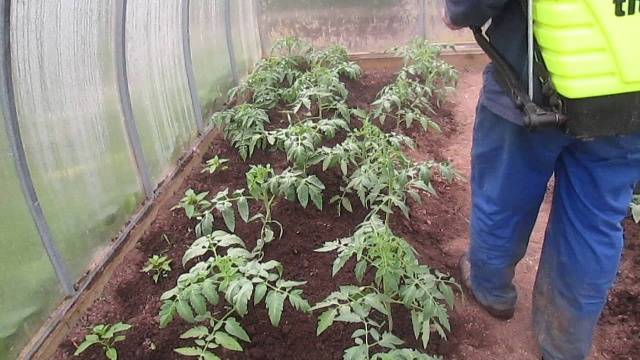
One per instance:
(363,26)
(87,113)
(100,99)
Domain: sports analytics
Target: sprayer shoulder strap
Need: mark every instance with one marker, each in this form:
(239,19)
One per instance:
(535,116)
(540,73)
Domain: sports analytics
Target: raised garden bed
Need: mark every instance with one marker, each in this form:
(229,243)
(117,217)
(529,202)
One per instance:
(132,296)
(309,220)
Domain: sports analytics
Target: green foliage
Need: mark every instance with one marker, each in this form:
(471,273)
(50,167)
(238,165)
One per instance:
(225,333)
(105,336)
(424,81)
(222,285)
(422,59)
(234,276)
(318,90)
(336,58)
(362,306)
(243,127)
(266,84)
(215,164)
(158,266)
(297,74)
(398,278)
(194,204)
(301,140)
(304,81)
(228,275)
(383,177)
(266,187)
(291,47)
(223,202)
(635,208)
(406,101)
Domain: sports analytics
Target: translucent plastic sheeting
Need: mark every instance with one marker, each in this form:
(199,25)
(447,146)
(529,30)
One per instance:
(69,113)
(360,25)
(209,53)
(435,30)
(158,83)
(245,34)
(28,287)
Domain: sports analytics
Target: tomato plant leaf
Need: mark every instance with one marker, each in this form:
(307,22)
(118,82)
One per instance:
(233,327)
(226,341)
(243,209)
(188,351)
(325,320)
(275,303)
(260,292)
(184,310)
(229,218)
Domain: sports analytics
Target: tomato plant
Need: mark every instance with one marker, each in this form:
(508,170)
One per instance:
(301,140)
(215,164)
(194,204)
(319,90)
(105,336)
(243,127)
(158,266)
(398,279)
(423,83)
(220,287)
(335,57)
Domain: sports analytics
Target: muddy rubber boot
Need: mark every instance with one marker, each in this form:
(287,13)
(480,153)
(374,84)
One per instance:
(465,274)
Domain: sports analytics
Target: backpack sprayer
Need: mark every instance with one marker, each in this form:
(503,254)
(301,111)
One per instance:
(586,55)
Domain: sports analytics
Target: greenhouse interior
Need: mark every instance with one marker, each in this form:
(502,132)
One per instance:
(253,179)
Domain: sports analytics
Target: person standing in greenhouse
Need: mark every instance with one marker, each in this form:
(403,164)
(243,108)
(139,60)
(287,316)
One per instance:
(511,167)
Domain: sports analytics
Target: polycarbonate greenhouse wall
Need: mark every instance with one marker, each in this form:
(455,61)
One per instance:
(99,100)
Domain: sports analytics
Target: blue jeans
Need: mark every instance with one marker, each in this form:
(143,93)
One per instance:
(593,188)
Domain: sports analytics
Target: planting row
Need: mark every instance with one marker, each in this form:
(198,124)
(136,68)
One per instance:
(227,276)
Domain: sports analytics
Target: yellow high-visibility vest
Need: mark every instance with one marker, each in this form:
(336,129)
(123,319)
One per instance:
(590,47)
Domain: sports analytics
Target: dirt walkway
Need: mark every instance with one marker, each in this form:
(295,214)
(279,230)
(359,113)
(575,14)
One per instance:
(485,337)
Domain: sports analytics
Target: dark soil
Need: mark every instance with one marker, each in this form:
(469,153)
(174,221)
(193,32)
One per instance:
(131,296)
(620,324)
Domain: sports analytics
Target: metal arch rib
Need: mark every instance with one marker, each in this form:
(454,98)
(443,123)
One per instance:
(230,46)
(188,64)
(12,128)
(125,99)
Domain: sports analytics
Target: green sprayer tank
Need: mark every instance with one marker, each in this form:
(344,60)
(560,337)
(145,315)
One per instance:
(590,47)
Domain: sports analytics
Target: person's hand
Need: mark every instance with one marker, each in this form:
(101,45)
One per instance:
(447,20)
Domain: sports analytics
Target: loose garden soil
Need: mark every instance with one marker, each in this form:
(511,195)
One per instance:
(620,324)
(438,231)
(131,296)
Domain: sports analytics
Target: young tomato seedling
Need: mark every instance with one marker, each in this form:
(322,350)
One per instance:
(194,204)
(215,164)
(423,83)
(105,336)
(158,266)
(398,279)
(220,287)
(243,127)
